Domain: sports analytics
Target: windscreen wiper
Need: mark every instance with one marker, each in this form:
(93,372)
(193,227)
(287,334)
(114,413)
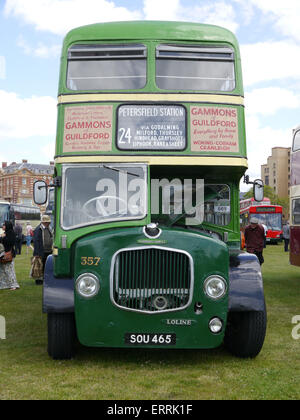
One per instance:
(119,170)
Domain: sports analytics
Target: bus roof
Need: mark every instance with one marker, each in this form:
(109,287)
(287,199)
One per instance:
(149,30)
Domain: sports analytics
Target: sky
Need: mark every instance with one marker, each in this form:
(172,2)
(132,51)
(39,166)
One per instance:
(31,34)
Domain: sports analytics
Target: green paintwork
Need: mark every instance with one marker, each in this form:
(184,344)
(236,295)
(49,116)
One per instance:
(146,32)
(143,32)
(101,323)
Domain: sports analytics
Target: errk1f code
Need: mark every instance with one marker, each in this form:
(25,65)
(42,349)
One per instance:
(161,409)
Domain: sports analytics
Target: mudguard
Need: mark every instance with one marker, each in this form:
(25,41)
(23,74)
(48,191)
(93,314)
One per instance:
(58,293)
(246,292)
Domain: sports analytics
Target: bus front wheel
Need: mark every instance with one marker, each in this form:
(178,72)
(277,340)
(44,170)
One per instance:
(245,333)
(61,335)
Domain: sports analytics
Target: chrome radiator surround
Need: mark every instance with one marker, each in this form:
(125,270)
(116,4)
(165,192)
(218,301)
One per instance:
(151,279)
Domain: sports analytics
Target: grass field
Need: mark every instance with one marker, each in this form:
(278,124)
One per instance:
(26,371)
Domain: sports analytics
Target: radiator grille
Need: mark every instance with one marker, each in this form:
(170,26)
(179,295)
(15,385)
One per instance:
(152,279)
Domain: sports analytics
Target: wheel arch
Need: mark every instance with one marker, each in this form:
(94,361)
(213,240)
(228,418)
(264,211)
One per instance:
(246,292)
(58,293)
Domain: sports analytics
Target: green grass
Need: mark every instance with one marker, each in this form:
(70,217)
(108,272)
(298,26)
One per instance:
(26,371)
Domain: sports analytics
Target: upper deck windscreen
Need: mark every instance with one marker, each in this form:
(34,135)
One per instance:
(195,68)
(124,67)
(103,67)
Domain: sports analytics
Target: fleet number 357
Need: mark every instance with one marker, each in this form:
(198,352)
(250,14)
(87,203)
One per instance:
(89,260)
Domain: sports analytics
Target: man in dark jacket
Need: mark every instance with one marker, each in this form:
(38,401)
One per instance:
(42,242)
(254,239)
(286,236)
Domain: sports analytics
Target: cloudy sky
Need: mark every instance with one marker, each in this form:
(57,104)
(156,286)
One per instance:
(31,33)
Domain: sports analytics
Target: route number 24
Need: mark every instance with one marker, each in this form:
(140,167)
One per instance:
(125,136)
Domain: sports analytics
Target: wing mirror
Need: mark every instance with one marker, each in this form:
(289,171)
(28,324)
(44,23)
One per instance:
(40,192)
(258,188)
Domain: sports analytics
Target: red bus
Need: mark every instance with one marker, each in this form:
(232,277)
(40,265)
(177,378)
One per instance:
(268,214)
(295,200)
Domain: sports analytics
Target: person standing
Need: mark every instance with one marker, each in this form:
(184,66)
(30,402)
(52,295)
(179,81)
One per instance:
(266,231)
(43,242)
(254,239)
(19,237)
(8,279)
(286,236)
(29,235)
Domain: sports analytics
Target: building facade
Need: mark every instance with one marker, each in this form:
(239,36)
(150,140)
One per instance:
(276,172)
(17,179)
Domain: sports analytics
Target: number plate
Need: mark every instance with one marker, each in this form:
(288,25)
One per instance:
(143,339)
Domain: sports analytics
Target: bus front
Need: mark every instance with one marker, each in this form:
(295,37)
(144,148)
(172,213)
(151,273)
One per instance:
(271,217)
(150,151)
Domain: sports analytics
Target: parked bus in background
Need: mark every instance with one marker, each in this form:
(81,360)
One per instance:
(150,151)
(295,200)
(268,214)
(19,213)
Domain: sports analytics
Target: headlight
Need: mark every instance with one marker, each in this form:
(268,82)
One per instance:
(87,285)
(215,325)
(215,287)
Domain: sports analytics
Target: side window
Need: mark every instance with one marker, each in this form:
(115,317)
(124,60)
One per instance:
(296,142)
(296,211)
(217,204)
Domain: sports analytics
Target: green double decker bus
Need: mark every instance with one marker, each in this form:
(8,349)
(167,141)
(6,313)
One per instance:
(150,151)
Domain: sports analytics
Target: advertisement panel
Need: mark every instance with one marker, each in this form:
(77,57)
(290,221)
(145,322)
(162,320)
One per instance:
(88,128)
(214,129)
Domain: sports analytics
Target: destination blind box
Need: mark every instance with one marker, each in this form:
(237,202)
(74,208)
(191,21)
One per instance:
(151,127)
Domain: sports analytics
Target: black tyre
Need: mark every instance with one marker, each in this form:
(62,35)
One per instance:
(61,336)
(245,333)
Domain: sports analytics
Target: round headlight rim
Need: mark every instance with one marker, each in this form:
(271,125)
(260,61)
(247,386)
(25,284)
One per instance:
(216,318)
(94,277)
(219,278)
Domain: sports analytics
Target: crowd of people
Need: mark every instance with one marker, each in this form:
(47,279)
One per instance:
(11,245)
